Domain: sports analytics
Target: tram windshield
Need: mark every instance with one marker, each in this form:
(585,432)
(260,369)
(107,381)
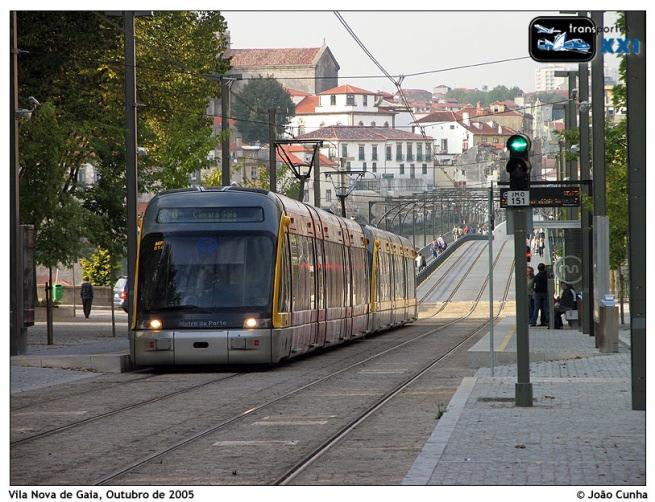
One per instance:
(205,272)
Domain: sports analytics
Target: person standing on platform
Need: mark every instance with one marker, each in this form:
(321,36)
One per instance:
(540,296)
(530,294)
(86,293)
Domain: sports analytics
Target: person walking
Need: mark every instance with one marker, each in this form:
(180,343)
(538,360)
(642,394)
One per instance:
(86,293)
(540,296)
(530,294)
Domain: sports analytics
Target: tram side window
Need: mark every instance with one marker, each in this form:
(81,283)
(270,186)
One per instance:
(411,278)
(320,274)
(400,277)
(347,282)
(310,262)
(300,276)
(384,277)
(284,304)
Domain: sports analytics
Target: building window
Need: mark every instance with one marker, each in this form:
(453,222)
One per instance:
(328,196)
(333,100)
(399,151)
(452,126)
(419,151)
(344,150)
(361,152)
(386,124)
(465,145)
(81,176)
(444,145)
(348,165)
(253,173)
(363,166)
(424,169)
(350,99)
(402,168)
(365,100)
(412,171)
(374,167)
(410,153)
(374,152)
(428,151)
(388,152)
(373,124)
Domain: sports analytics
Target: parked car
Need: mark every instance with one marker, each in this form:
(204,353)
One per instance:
(120,293)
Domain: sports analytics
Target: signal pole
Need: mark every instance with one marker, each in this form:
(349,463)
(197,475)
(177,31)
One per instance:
(518,200)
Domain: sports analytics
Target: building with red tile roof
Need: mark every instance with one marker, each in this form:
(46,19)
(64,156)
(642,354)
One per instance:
(307,69)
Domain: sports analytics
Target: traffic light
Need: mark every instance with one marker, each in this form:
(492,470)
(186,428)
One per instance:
(518,165)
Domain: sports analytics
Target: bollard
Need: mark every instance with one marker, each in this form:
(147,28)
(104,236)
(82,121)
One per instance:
(608,326)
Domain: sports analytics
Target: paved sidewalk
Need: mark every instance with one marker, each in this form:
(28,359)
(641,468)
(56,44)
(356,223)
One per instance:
(581,430)
(82,348)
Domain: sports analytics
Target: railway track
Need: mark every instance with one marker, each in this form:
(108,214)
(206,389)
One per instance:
(301,465)
(335,438)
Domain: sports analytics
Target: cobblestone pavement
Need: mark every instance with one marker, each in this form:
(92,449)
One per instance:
(580,431)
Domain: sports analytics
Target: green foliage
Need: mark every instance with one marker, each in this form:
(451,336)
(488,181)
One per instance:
(99,269)
(75,61)
(616,173)
(251,109)
(472,96)
(56,213)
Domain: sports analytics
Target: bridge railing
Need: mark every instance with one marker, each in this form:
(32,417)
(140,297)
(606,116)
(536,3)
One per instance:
(431,262)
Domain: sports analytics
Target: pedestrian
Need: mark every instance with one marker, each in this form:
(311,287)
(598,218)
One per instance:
(418,261)
(86,293)
(435,248)
(565,303)
(455,232)
(530,294)
(540,296)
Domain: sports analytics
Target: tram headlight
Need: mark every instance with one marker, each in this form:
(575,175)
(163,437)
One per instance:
(252,323)
(154,324)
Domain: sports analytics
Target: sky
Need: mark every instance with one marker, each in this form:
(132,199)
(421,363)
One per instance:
(403,42)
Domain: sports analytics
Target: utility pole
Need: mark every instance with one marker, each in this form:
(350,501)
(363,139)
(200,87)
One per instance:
(131,156)
(225,132)
(636,102)
(585,215)
(272,159)
(18,338)
(492,350)
(317,179)
(600,249)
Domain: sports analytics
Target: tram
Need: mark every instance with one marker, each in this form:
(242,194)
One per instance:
(232,275)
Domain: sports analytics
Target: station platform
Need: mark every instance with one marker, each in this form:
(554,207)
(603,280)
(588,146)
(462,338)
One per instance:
(581,429)
(544,344)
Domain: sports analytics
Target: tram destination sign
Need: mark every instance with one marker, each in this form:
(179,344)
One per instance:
(547,196)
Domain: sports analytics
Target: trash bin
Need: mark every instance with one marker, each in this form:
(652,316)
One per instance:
(57,292)
(608,326)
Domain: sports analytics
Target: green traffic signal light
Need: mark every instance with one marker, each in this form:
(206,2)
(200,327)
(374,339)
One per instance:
(518,144)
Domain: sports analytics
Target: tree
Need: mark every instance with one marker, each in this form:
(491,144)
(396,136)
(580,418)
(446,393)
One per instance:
(251,107)
(99,269)
(56,213)
(75,61)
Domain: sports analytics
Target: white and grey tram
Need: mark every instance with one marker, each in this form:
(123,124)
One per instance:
(241,276)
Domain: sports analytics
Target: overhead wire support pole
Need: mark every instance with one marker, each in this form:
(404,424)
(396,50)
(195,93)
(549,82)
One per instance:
(225,132)
(636,103)
(272,158)
(492,349)
(586,323)
(131,156)
(600,248)
(17,337)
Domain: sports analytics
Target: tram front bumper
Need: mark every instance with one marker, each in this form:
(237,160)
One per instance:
(238,346)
